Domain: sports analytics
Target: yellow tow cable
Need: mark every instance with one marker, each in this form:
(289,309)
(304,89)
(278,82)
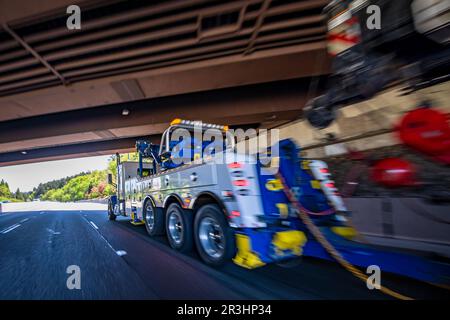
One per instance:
(328,246)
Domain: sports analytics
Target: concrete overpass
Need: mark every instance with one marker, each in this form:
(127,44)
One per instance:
(134,66)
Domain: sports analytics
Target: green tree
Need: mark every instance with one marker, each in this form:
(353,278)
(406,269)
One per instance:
(18,195)
(91,185)
(4,189)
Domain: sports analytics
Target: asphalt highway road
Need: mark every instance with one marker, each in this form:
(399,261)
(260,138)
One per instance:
(119,261)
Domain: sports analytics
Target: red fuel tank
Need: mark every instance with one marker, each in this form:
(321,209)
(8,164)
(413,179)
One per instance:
(426,130)
(394,172)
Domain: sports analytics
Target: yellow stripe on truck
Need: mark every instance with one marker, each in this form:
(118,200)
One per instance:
(245,257)
(291,240)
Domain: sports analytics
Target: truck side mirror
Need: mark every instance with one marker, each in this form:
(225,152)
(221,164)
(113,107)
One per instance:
(110,179)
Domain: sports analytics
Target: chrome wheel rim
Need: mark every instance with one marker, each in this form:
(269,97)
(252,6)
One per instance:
(211,237)
(175,227)
(149,217)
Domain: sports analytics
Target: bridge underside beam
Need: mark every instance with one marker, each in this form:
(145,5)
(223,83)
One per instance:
(79,150)
(260,104)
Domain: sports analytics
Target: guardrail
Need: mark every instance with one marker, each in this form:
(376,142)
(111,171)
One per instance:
(50,206)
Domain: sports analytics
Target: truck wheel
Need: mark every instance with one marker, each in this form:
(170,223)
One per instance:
(320,112)
(154,219)
(111,215)
(179,228)
(214,238)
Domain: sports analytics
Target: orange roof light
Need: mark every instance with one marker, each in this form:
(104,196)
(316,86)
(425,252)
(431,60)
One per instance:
(193,123)
(175,121)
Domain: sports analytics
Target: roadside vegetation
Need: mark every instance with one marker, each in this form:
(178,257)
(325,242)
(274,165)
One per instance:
(92,185)
(83,186)
(7,195)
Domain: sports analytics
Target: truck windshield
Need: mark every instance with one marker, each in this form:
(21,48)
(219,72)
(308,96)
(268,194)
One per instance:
(208,141)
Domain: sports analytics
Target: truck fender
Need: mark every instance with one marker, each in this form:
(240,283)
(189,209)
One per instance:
(148,198)
(210,195)
(173,196)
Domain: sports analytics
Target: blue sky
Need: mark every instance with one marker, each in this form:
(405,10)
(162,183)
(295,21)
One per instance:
(27,176)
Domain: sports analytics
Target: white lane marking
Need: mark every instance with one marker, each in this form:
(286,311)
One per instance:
(53,231)
(120,253)
(23,220)
(11,228)
(42,212)
(94,225)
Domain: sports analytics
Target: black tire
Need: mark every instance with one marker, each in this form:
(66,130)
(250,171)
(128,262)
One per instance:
(154,219)
(214,214)
(111,215)
(320,112)
(181,225)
